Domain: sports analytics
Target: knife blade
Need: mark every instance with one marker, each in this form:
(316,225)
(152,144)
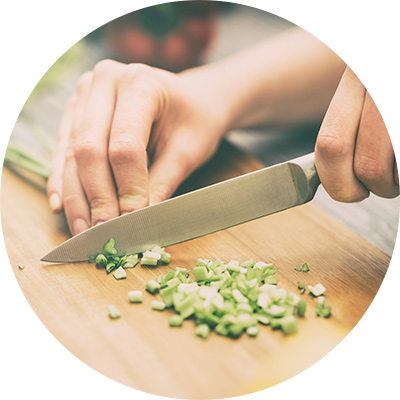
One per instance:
(198,213)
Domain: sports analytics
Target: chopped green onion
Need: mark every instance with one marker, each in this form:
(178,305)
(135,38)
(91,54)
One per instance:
(288,324)
(109,247)
(317,290)
(301,287)
(152,286)
(135,296)
(175,320)
(252,331)
(148,261)
(202,330)
(301,308)
(119,273)
(113,312)
(130,261)
(157,305)
(302,268)
(101,260)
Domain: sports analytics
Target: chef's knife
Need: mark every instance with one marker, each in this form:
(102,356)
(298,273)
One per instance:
(200,212)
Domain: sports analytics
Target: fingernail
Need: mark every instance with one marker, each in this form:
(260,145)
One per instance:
(54,201)
(79,226)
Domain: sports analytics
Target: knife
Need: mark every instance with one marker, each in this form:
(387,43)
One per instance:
(198,213)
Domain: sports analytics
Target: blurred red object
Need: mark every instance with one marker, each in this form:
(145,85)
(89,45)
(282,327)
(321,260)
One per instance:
(173,36)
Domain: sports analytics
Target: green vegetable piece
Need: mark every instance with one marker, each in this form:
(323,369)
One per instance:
(101,260)
(289,324)
(301,287)
(21,266)
(271,280)
(235,330)
(110,266)
(248,264)
(221,330)
(175,320)
(262,319)
(157,305)
(119,273)
(165,258)
(152,286)
(202,330)
(302,268)
(109,247)
(301,308)
(200,273)
(276,311)
(148,261)
(135,296)
(113,312)
(275,323)
(322,311)
(130,261)
(317,290)
(252,331)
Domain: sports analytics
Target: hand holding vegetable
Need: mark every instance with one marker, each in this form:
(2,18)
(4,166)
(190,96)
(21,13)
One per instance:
(354,154)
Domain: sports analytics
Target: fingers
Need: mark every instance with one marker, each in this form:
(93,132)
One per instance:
(335,146)
(90,143)
(54,182)
(76,207)
(136,109)
(354,154)
(374,162)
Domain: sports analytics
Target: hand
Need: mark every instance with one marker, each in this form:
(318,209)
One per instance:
(128,137)
(354,154)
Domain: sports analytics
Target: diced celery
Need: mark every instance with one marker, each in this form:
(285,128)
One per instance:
(151,254)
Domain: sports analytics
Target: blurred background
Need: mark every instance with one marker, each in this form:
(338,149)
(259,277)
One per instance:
(176,36)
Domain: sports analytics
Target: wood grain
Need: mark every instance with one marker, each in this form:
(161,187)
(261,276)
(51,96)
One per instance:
(140,349)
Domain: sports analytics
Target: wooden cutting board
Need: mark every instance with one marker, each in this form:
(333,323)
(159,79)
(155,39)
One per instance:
(140,349)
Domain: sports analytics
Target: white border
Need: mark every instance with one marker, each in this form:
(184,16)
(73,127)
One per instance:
(35,34)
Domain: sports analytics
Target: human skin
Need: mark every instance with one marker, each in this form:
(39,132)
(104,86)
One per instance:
(132,133)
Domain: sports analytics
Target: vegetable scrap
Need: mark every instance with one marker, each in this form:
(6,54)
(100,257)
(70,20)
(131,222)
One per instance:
(21,266)
(302,268)
(110,261)
(229,298)
(113,312)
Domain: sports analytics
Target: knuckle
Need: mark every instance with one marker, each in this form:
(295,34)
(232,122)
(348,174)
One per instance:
(328,145)
(370,170)
(84,81)
(70,200)
(161,191)
(86,150)
(105,67)
(124,151)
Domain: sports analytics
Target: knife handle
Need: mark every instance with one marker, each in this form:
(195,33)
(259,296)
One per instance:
(309,174)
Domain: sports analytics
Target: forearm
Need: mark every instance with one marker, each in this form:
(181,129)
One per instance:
(287,79)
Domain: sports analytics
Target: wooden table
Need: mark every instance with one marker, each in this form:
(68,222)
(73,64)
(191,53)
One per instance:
(140,349)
